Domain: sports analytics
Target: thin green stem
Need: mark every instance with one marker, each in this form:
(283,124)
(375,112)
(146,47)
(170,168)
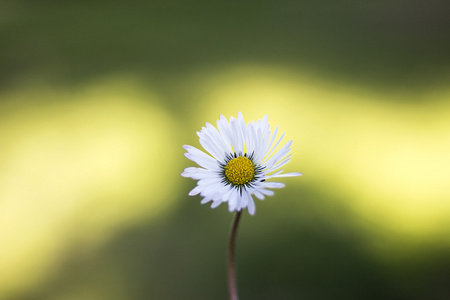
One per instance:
(231,258)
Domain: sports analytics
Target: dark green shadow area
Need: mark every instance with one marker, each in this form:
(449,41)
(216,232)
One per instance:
(280,256)
(378,44)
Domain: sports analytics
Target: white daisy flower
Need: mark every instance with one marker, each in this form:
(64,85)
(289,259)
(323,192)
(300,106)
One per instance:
(241,158)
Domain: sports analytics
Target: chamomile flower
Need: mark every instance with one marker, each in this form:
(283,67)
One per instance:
(240,160)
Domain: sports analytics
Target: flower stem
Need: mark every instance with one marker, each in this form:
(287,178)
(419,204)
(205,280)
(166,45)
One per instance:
(231,258)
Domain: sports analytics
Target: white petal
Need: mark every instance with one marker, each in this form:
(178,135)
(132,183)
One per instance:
(266,192)
(274,135)
(210,189)
(264,141)
(280,154)
(195,191)
(251,142)
(234,199)
(263,123)
(224,129)
(208,181)
(198,152)
(251,205)
(218,139)
(202,162)
(274,147)
(218,194)
(279,164)
(206,199)
(227,195)
(258,194)
(240,199)
(293,174)
(244,199)
(273,185)
(216,203)
(198,173)
(272,175)
(199,156)
(210,146)
(190,171)
(187,174)
(243,128)
(237,142)
(259,146)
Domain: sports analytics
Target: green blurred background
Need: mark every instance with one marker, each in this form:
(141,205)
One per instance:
(97,98)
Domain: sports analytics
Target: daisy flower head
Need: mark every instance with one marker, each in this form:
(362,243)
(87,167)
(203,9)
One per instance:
(240,157)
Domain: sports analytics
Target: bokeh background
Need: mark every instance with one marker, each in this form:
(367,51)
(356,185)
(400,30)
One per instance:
(98,97)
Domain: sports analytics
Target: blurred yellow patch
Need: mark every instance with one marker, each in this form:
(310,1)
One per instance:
(75,168)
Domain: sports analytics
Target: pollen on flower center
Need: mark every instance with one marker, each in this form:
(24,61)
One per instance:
(239,170)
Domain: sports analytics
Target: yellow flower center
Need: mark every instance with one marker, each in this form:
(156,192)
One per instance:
(240,170)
